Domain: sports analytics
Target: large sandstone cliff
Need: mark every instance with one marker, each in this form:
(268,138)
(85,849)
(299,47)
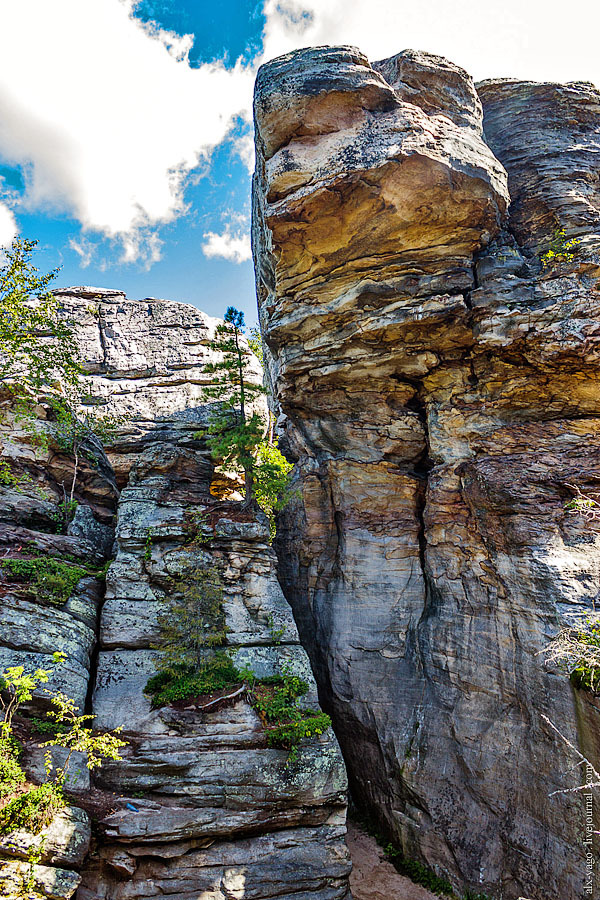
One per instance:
(199,805)
(439,392)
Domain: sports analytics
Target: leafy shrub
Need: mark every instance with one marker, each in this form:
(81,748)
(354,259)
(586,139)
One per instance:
(63,515)
(272,481)
(560,250)
(577,652)
(289,735)
(274,698)
(33,810)
(51,579)
(11,773)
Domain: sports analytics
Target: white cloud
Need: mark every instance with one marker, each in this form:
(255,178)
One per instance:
(8,225)
(108,121)
(84,250)
(233,243)
(106,116)
(513,38)
(244,148)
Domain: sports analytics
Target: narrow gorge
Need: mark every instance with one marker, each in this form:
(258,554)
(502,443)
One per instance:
(433,375)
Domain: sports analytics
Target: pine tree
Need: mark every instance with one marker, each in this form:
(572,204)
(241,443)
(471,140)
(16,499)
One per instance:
(192,621)
(235,432)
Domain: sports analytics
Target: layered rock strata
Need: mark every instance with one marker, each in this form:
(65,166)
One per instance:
(437,388)
(199,804)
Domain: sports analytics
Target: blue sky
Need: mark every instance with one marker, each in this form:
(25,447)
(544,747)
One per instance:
(125,128)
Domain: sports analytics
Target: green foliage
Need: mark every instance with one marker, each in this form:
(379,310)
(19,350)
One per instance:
(234,432)
(256,345)
(412,868)
(28,312)
(581,503)
(560,250)
(271,481)
(215,673)
(197,527)
(11,773)
(290,735)
(75,431)
(74,732)
(275,697)
(9,479)
(39,356)
(275,633)
(585,672)
(46,726)
(32,810)
(418,873)
(16,688)
(50,579)
(63,515)
(236,437)
(192,619)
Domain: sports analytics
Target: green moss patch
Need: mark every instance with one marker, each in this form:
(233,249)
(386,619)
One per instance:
(47,578)
(275,699)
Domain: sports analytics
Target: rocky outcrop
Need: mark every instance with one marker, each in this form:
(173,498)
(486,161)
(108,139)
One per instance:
(437,389)
(200,804)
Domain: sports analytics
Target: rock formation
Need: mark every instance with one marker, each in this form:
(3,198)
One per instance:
(199,805)
(438,390)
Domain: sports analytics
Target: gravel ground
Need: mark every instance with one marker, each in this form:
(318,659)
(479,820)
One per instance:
(373,878)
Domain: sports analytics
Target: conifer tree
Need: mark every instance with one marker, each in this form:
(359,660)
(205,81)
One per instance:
(235,431)
(192,621)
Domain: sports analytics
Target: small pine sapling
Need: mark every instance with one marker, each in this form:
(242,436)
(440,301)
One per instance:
(192,620)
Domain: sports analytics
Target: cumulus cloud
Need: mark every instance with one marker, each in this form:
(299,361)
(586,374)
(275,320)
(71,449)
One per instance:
(106,116)
(232,243)
(512,38)
(84,250)
(8,225)
(108,121)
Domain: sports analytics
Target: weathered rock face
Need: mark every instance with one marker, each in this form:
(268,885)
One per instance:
(439,392)
(200,805)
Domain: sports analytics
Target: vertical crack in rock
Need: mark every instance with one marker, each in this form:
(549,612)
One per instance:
(101,326)
(438,390)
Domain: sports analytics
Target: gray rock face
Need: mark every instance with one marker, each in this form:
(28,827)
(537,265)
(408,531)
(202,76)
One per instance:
(206,776)
(437,389)
(221,812)
(146,363)
(547,137)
